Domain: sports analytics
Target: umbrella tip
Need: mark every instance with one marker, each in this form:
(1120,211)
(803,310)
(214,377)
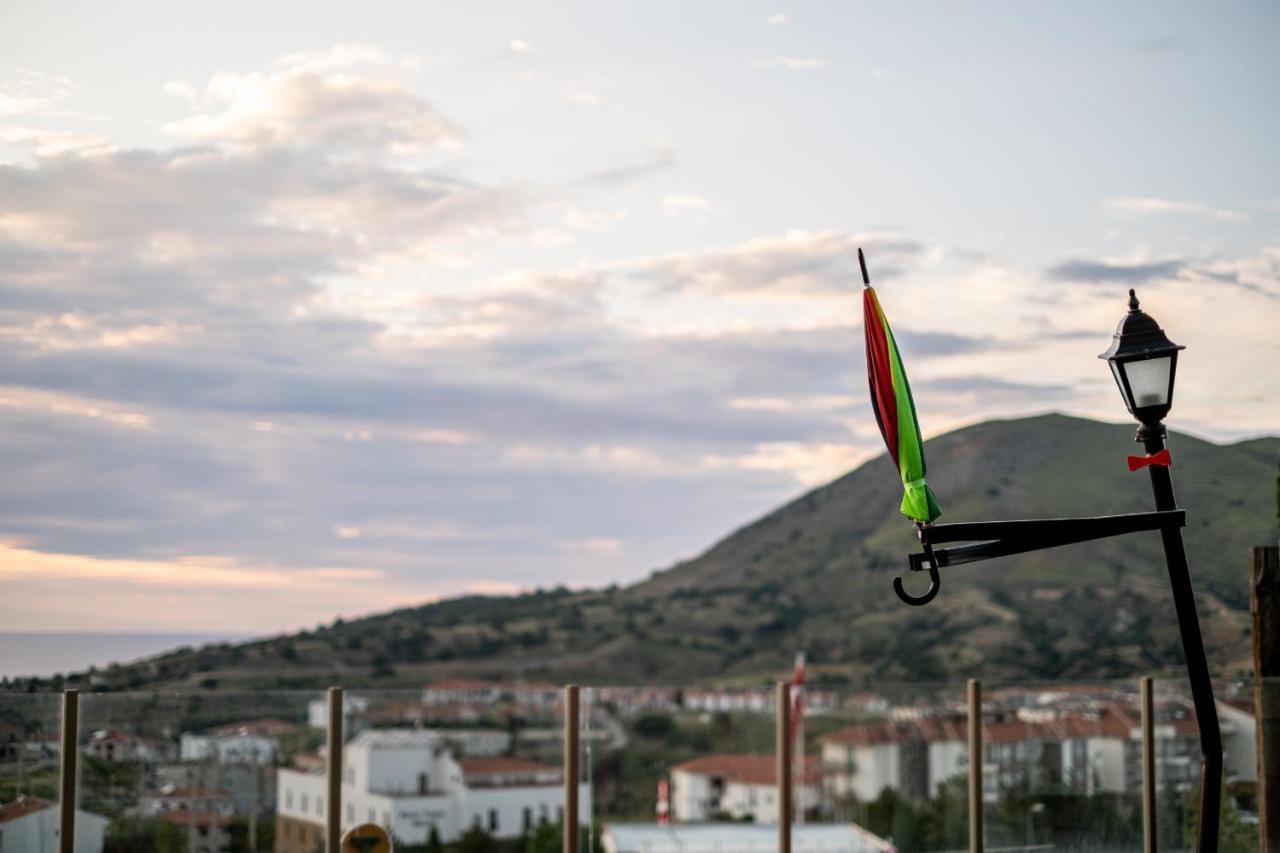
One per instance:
(862,262)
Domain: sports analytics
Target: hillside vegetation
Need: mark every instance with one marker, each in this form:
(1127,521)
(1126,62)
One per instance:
(815,575)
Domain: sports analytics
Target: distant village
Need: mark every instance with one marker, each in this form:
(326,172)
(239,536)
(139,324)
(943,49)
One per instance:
(463,756)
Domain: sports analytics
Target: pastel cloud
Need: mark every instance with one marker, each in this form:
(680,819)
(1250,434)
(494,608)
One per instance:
(349,98)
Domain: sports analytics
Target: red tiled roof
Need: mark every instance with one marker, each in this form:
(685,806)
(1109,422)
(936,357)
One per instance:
(22,807)
(746,769)
(185,817)
(257,727)
(479,766)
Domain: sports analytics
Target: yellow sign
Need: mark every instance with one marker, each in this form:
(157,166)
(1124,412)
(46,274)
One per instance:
(366,838)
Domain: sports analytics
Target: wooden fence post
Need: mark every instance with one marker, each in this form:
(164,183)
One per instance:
(1147,690)
(782,751)
(571,772)
(975,766)
(67,761)
(1264,606)
(333,774)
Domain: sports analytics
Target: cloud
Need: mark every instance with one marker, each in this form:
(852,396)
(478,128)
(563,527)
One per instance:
(1145,205)
(777,20)
(597,546)
(801,263)
(1077,269)
(25,92)
(616,176)
(792,63)
(349,98)
(685,205)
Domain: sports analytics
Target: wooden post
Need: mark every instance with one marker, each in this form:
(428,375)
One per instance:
(571,772)
(782,750)
(975,766)
(1148,765)
(333,808)
(1264,606)
(67,760)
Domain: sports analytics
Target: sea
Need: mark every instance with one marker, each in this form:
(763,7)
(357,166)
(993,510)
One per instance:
(26,654)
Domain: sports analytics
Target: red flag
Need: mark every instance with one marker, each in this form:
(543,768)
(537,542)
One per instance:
(797,695)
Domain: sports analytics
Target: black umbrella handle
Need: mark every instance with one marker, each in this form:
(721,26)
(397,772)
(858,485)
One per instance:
(935,581)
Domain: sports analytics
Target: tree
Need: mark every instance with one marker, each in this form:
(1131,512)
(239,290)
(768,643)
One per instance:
(475,840)
(1234,835)
(546,839)
(433,841)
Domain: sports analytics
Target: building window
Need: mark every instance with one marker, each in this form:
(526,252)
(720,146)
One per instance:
(527,821)
(305,802)
(422,783)
(320,806)
(373,816)
(493,820)
(288,799)
(351,813)
(386,820)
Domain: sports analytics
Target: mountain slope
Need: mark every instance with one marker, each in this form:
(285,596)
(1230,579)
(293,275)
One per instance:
(816,573)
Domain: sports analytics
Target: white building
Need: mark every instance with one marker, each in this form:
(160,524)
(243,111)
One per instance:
(115,746)
(170,798)
(1092,748)
(30,825)
(242,745)
(203,832)
(731,838)
(529,695)
(736,787)
(352,708)
(409,781)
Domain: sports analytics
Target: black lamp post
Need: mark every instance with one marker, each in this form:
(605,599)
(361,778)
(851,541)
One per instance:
(1144,362)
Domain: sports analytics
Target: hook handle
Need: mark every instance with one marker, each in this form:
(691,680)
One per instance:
(935,581)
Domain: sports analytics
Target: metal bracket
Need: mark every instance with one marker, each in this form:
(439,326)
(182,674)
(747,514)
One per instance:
(1003,538)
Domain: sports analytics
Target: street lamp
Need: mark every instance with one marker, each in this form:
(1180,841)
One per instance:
(1144,363)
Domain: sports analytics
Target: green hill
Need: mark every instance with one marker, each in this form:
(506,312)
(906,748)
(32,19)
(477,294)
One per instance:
(816,573)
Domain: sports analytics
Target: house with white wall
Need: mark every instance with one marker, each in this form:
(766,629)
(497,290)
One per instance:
(736,787)
(31,824)
(409,781)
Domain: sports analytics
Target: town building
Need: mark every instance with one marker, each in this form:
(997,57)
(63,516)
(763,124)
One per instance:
(253,742)
(537,696)
(738,838)
(410,781)
(31,824)
(116,746)
(202,832)
(1089,745)
(737,787)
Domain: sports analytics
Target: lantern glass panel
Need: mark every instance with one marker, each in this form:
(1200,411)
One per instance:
(1149,381)
(1115,371)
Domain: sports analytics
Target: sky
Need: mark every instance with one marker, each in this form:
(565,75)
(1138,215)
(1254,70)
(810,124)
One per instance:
(320,309)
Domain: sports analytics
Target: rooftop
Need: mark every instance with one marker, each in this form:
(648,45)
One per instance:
(22,807)
(746,769)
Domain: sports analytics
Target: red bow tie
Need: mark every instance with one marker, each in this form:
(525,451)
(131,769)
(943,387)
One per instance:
(1161,458)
